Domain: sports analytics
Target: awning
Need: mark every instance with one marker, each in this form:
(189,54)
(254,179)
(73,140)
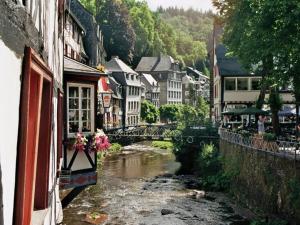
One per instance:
(288,111)
(246,111)
(253,111)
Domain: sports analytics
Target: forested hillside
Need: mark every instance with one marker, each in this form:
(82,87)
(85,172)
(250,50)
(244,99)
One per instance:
(192,27)
(131,30)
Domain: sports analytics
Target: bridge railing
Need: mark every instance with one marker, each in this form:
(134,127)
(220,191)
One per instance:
(288,149)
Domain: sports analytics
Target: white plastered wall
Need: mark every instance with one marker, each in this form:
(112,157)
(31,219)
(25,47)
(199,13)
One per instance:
(10,86)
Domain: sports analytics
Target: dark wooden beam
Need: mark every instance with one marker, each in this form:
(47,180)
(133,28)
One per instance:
(72,195)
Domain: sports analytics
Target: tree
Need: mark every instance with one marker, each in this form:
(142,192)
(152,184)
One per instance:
(149,112)
(202,107)
(144,26)
(119,36)
(187,116)
(169,112)
(89,5)
(275,103)
(264,33)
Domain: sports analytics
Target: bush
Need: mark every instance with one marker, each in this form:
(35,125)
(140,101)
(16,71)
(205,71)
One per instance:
(269,137)
(208,161)
(115,148)
(219,182)
(163,145)
(171,133)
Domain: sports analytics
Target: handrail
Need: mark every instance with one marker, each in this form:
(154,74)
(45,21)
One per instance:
(287,149)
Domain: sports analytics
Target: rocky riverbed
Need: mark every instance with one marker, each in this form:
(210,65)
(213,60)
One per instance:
(141,188)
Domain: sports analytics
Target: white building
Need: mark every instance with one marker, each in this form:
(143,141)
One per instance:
(31,56)
(131,90)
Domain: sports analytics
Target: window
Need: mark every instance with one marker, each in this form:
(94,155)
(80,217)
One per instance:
(215,91)
(66,49)
(255,84)
(127,76)
(34,139)
(242,84)
(80,108)
(229,84)
(132,77)
(72,54)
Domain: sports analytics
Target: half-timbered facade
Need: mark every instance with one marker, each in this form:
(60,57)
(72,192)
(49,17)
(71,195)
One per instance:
(31,55)
(82,114)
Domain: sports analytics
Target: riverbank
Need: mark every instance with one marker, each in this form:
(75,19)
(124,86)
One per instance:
(139,186)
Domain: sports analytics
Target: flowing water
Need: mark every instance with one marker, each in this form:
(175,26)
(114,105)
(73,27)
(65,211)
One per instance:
(139,187)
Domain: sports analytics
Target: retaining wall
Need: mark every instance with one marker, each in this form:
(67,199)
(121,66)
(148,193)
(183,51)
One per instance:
(264,182)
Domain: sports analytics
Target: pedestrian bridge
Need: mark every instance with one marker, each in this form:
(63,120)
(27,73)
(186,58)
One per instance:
(156,132)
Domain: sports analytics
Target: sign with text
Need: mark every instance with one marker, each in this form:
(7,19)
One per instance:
(106,100)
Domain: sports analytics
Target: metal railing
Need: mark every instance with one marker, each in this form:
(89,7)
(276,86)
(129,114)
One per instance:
(287,149)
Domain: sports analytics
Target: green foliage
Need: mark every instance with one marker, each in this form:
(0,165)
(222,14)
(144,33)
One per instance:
(202,106)
(187,116)
(89,5)
(219,182)
(169,112)
(115,148)
(149,112)
(274,222)
(171,133)
(131,30)
(119,36)
(143,22)
(163,145)
(264,35)
(208,160)
(193,30)
(294,196)
(269,137)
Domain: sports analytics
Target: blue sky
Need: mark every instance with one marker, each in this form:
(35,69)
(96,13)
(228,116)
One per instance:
(196,4)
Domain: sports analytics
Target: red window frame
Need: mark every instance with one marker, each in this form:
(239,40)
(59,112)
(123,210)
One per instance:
(33,154)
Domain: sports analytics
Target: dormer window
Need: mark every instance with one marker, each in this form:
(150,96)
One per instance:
(127,76)
(132,77)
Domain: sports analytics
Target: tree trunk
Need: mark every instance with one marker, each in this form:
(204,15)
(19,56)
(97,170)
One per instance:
(275,122)
(275,104)
(267,67)
(262,94)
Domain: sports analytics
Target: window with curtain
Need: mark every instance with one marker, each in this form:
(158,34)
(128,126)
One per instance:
(80,108)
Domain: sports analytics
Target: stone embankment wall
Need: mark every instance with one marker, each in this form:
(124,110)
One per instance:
(264,182)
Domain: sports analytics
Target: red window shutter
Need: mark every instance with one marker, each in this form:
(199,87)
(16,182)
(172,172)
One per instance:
(32,178)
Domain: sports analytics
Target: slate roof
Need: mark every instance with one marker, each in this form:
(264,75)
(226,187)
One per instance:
(197,72)
(229,66)
(163,63)
(71,65)
(117,65)
(146,64)
(114,85)
(150,79)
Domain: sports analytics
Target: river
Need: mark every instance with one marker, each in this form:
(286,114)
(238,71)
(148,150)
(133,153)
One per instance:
(139,187)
